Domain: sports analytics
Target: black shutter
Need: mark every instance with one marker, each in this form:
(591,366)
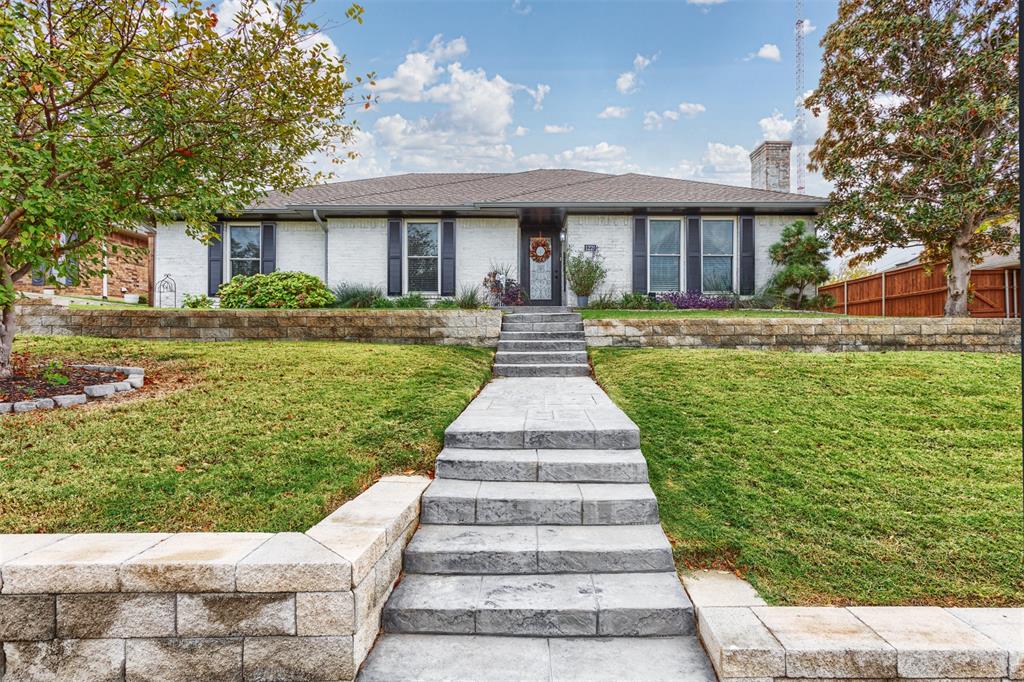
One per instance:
(38,279)
(268,249)
(746,255)
(394,257)
(640,254)
(448,257)
(215,260)
(693,279)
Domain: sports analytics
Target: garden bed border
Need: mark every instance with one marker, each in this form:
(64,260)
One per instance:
(135,377)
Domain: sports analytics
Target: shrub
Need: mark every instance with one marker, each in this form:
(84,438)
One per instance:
(605,301)
(584,273)
(411,301)
(143,299)
(636,301)
(469,298)
(382,302)
(801,257)
(504,290)
(275,290)
(356,295)
(689,300)
(198,302)
(445,304)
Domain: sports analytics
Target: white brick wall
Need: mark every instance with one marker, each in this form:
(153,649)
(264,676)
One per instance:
(481,242)
(181,257)
(767,230)
(357,251)
(300,248)
(613,235)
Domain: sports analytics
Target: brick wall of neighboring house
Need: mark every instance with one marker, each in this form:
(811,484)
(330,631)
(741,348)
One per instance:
(129,271)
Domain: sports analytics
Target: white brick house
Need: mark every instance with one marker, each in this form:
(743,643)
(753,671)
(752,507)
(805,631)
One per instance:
(437,233)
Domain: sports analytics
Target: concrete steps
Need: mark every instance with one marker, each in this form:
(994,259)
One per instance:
(444,658)
(490,550)
(540,336)
(451,501)
(561,351)
(571,466)
(581,369)
(568,605)
(535,345)
(577,357)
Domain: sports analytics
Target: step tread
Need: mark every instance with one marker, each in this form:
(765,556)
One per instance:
(575,604)
(471,549)
(573,466)
(448,501)
(471,658)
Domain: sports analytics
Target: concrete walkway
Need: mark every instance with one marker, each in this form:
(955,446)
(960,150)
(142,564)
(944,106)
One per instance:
(540,555)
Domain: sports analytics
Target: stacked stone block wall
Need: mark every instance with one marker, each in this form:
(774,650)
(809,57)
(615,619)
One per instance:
(188,606)
(461,327)
(808,334)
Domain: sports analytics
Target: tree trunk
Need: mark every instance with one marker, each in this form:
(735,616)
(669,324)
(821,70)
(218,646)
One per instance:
(958,276)
(6,320)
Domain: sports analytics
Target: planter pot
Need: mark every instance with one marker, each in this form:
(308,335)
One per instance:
(582,301)
(131,298)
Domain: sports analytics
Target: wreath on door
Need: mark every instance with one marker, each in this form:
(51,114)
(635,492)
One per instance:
(540,249)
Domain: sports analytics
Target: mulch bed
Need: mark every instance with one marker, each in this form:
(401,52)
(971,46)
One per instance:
(30,381)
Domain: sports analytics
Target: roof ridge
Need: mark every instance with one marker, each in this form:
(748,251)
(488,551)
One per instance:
(484,176)
(722,184)
(604,176)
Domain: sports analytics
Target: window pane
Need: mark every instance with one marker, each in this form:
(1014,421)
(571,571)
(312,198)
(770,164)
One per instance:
(422,239)
(245,267)
(423,274)
(245,242)
(717,273)
(717,236)
(664,273)
(665,236)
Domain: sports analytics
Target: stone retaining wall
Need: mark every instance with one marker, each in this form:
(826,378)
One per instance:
(808,334)
(188,606)
(461,327)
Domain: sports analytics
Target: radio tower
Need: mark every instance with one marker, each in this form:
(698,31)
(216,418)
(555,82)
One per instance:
(799,125)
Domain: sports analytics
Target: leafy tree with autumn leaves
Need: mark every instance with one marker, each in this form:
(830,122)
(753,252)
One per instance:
(120,113)
(922,136)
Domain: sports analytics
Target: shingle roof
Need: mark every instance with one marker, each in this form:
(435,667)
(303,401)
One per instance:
(537,187)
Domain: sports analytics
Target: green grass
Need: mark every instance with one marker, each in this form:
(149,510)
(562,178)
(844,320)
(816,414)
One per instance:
(258,436)
(869,478)
(633,314)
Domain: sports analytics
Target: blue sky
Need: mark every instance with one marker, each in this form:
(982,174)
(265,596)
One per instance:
(683,88)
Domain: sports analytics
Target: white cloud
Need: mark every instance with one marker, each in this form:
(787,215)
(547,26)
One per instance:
(420,70)
(655,121)
(691,109)
(614,112)
(429,144)
(557,129)
(520,131)
(768,51)
(807,27)
(776,127)
(628,81)
(267,13)
(370,161)
(538,94)
(602,157)
(721,163)
(520,7)
(534,161)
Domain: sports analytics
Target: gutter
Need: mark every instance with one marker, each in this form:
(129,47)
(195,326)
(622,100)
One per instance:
(327,236)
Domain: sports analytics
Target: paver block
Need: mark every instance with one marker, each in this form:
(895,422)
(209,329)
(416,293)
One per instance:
(236,614)
(594,466)
(933,643)
(292,562)
(1005,627)
(104,616)
(530,503)
(190,562)
(472,549)
(719,588)
(66,660)
(99,390)
(450,501)
(135,380)
(827,642)
(537,605)
(25,406)
(443,658)
(26,617)
(360,546)
(121,386)
(88,562)
(487,465)
(603,549)
(184,659)
(642,605)
(738,643)
(324,613)
(15,545)
(45,403)
(391,503)
(657,659)
(269,659)
(69,399)
(434,603)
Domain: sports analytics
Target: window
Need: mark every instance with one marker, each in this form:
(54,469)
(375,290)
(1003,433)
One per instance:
(421,252)
(717,245)
(245,250)
(664,236)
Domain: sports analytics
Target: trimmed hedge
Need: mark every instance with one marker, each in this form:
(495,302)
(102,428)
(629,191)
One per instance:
(275,290)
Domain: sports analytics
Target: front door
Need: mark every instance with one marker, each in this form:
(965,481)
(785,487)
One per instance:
(540,266)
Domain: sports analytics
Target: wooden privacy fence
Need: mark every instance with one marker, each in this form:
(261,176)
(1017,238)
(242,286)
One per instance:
(915,291)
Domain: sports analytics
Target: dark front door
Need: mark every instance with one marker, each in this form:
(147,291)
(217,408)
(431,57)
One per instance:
(540,266)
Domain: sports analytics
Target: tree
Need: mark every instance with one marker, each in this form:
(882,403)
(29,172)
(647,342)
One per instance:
(801,259)
(121,113)
(850,271)
(921,142)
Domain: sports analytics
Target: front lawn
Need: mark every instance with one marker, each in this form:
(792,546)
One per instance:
(259,436)
(869,478)
(594,314)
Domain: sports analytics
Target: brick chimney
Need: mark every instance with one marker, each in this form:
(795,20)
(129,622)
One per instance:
(769,166)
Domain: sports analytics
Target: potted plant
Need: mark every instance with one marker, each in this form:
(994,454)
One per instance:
(584,273)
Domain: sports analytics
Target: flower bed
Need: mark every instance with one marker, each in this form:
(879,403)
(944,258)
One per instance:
(46,385)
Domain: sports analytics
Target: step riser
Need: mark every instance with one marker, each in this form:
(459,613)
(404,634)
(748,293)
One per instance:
(541,317)
(579,370)
(542,346)
(603,467)
(462,511)
(539,358)
(499,562)
(642,622)
(542,327)
(542,336)
(625,439)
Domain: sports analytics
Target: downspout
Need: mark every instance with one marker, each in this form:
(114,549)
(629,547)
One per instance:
(323,226)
